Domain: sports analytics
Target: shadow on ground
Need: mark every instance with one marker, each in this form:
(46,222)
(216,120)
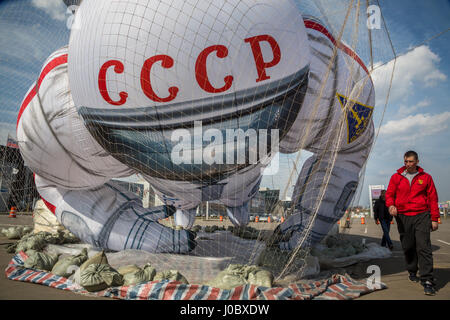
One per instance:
(393,265)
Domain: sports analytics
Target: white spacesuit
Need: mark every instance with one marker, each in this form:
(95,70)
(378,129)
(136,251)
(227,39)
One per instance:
(78,128)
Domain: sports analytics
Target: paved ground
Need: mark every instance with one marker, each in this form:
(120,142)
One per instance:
(392,269)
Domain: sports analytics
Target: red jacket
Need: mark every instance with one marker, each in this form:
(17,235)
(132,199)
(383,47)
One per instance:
(420,197)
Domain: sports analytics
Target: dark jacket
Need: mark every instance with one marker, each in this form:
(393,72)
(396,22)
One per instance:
(419,197)
(380,211)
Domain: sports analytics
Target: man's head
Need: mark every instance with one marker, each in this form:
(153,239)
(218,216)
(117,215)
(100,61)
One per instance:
(383,194)
(411,161)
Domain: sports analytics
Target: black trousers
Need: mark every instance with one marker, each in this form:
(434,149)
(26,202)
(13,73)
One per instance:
(415,238)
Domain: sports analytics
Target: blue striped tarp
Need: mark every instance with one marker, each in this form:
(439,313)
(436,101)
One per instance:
(337,287)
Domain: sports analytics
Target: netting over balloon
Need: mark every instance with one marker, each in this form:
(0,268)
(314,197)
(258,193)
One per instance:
(222,110)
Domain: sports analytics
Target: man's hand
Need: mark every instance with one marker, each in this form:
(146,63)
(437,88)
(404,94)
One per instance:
(393,211)
(434,225)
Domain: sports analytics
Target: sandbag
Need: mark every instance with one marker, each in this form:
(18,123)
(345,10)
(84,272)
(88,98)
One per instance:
(99,258)
(238,275)
(31,242)
(171,275)
(67,266)
(261,278)
(142,275)
(211,229)
(38,241)
(41,261)
(132,268)
(69,237)
(96,277)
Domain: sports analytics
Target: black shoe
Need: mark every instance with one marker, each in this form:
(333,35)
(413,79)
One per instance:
(428,288)
(391,247)
(413,277)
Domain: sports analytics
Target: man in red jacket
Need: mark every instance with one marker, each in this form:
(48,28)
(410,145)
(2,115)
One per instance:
(412,199)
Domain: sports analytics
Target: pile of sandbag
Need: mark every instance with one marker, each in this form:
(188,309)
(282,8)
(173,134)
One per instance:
(38,241)
(242,232)
(337,247)
(96,274)
(245,232)
(237,275)
(337,251)
(208,229)
(16,232)
(54,263)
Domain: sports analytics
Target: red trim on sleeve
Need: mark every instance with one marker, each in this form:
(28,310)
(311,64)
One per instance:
(49,67)
(50,207)
(318,27)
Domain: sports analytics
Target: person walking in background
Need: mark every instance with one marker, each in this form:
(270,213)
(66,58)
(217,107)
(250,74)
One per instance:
(412,199)
(381,213)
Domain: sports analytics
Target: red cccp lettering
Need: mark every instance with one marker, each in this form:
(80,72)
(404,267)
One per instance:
(261,65)
(118,68)
(200,69)
(201,74)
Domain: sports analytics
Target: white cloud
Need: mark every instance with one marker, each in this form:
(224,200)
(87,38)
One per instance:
(416,126)
(55,8)
(418,67)
(405,110)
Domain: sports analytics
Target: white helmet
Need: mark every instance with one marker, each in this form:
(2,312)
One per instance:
(140,69)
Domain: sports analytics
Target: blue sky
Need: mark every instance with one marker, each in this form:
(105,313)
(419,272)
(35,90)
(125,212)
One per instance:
(417,116)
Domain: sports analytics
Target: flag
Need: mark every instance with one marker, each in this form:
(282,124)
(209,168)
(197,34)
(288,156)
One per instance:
(11,142)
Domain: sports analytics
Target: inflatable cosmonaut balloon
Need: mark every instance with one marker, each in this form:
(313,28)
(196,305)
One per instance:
(196,97)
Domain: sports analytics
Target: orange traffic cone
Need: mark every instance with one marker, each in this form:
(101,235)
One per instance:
(12,212)
(256,219)
(221,218)
(282,219)
(392,221)
(363,220)
(269,220)
(439,220)
(339,222)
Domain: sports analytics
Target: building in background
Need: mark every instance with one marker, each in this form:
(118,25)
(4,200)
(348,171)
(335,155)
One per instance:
(265,201)
(142,189)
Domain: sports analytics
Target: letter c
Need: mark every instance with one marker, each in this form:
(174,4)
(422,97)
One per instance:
(200,69)
(118,68)
(166,62)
